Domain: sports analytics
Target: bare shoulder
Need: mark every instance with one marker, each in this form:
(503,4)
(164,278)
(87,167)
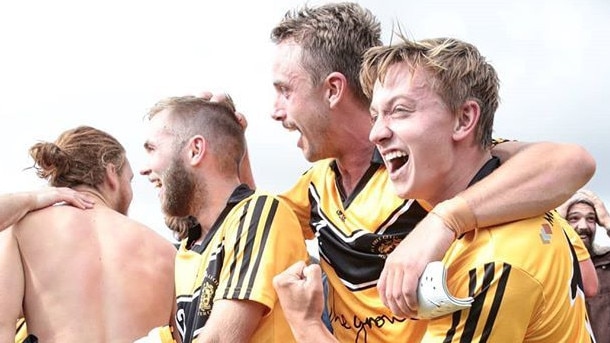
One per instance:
(48,218)
(150,236)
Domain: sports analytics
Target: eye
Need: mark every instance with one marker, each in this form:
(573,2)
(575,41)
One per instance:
(283,90)
(148,147)
(374,117)
(401,110)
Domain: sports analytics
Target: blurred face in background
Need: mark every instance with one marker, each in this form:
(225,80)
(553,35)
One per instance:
(583,219)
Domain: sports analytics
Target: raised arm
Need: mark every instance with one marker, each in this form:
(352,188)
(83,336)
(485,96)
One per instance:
(245,168)
(603,218)
(300,291)
(14,206)
(533,178)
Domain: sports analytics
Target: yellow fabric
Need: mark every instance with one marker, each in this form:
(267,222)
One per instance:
(165,335)
(21,331)
(522,276)
(355,234)
(257,239)
(579,246)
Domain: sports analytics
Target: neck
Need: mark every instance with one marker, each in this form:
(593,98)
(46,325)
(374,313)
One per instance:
(353,165)
(353,150)
(94,193)
(213,202)
(462,172)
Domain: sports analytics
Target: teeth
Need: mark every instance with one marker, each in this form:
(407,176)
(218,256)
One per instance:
(289,127)
(394,154)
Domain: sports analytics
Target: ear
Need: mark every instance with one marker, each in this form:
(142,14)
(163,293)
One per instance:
(196,149)
(336,85)
(112,176)
(466,120)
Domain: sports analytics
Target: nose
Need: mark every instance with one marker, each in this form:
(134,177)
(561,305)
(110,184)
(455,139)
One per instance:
(279,112)
(145,171)
(380,131)
(582,226)
(279,115)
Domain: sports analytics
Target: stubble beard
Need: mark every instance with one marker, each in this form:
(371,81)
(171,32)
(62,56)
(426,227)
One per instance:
(315,147)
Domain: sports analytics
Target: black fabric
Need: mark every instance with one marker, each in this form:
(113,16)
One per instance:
(31,339)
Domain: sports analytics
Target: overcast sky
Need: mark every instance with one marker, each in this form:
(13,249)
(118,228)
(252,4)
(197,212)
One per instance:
(104,63)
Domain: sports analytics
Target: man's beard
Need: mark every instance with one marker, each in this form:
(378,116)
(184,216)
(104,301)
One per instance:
(180,190)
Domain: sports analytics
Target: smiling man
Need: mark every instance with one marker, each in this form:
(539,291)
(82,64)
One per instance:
(224,265)
(433,105)
(374,245)
(588,215)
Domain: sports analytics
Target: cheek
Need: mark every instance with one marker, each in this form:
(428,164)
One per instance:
(159,162)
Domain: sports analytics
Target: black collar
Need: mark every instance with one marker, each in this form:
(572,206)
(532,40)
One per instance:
(487,169)
(240,193)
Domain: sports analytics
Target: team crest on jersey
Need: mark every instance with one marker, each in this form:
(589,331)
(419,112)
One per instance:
(546,233)
(208,289)
(384,244)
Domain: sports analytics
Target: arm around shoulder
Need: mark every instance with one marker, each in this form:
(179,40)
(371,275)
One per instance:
(527,183)
(15,206)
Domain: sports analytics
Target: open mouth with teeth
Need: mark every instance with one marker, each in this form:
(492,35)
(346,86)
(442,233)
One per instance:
(158,185)
(395,160)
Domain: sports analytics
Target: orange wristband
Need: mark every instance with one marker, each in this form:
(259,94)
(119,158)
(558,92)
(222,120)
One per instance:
(456,215)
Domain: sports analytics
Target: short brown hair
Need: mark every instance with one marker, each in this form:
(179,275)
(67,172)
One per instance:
(458,71)
(216,121)
(333,37)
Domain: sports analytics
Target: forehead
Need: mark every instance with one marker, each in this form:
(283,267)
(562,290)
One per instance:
(159,126)
(400,80)
(581,208)
(287,60)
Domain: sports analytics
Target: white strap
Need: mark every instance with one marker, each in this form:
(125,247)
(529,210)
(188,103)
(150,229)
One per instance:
(432,294)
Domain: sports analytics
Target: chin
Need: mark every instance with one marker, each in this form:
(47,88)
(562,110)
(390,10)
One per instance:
(402,191)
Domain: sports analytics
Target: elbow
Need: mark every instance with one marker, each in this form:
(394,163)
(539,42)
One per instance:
(590,281)
(591,289)
(582,162)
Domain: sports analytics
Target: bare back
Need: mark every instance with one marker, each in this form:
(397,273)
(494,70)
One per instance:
(93,276)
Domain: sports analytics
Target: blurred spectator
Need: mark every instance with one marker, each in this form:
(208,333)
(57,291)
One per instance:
(585,212)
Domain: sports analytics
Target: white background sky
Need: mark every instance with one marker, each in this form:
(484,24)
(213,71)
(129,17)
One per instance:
(104,63)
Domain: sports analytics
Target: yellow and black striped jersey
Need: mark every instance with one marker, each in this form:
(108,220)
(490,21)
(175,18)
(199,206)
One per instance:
(21,332)
(256,237)
(355,234)
(525,279)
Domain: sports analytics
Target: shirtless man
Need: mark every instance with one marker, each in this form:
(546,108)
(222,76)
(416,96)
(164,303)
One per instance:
(14,206)
(85,276)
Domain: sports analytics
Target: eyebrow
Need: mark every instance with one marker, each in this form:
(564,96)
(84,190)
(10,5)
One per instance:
(410,101)
(279,84)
